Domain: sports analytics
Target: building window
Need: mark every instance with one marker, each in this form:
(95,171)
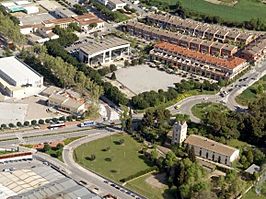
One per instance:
(219,159)
(207,155)
(225,161)
(200,152)
(213,157)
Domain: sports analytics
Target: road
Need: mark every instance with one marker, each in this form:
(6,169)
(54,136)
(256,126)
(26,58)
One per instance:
(228,100)
(94,182)
(78,170)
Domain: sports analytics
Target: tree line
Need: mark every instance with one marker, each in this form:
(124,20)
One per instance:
(61,73)
(153,98)
(56,48)
(115,16)
(9,27)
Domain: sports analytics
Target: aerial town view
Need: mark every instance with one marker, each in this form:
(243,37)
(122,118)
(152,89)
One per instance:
(132,99)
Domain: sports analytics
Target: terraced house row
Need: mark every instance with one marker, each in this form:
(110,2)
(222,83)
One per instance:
(158,34)
(197,62)
(256,50)
(200,30)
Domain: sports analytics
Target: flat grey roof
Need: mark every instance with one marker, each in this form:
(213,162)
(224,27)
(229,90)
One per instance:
(65,11)
(18,71)
(103,44)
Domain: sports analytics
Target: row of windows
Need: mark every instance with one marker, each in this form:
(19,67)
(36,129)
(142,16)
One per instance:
(213,157)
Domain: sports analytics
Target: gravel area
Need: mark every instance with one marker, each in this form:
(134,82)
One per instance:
(144,78)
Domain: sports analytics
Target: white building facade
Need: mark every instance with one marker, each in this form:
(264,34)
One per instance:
(179,133)
(104,51)
(17,79)
(212,151)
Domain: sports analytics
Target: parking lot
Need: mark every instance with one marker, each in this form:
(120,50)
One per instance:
(12,112)
(144,78)
(38,109)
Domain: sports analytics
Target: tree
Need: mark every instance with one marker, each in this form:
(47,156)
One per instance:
(113,76)
(3,126)
(191,154)
(126,63)
(47,121)
(26,123)
(170,159)
(80,10)
(41,121)
(33,122)
(124,117)
(59,146)
(11,125)
(46,147)
(19,124)
(74,26)
(113,67)
(93,25)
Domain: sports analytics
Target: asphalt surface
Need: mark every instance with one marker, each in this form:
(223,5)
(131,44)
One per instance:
(228,100)
(103,185)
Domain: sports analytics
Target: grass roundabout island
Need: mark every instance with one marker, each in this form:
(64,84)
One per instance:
(199,110)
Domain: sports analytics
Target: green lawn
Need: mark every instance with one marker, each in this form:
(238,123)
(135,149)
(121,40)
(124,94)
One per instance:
(249,95)
(149,191)
(252,194)
(5,152)
(199,110)
(242,11)
(237,143)
(112,160)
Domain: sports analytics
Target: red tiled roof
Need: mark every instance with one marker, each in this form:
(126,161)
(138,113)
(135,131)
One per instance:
(230,63)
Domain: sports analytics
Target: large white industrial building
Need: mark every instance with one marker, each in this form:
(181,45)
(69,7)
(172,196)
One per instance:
(17,79)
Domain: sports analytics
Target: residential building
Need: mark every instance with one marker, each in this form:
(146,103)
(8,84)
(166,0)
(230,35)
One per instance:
(116,5)
(89,23)
(62,22)
(17,79)
(113,4)
(200,30)
(186,41)
(179,133)
(253,169)
(104,50)
(214,151)
(256,50)
(197,62)
(67,104)
(15,156)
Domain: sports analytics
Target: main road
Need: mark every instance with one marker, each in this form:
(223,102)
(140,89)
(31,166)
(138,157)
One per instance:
(94,182)
(228,99)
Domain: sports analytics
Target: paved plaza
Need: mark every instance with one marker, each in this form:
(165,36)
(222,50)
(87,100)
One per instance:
(144,78)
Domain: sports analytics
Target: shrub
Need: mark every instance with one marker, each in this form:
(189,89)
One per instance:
(3,126)
(26,123)
(11,125)
(113,67)
(33,122)
(140,173)
(41,121)
(55,120)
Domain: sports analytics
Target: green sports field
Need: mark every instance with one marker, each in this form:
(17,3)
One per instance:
(242,11)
